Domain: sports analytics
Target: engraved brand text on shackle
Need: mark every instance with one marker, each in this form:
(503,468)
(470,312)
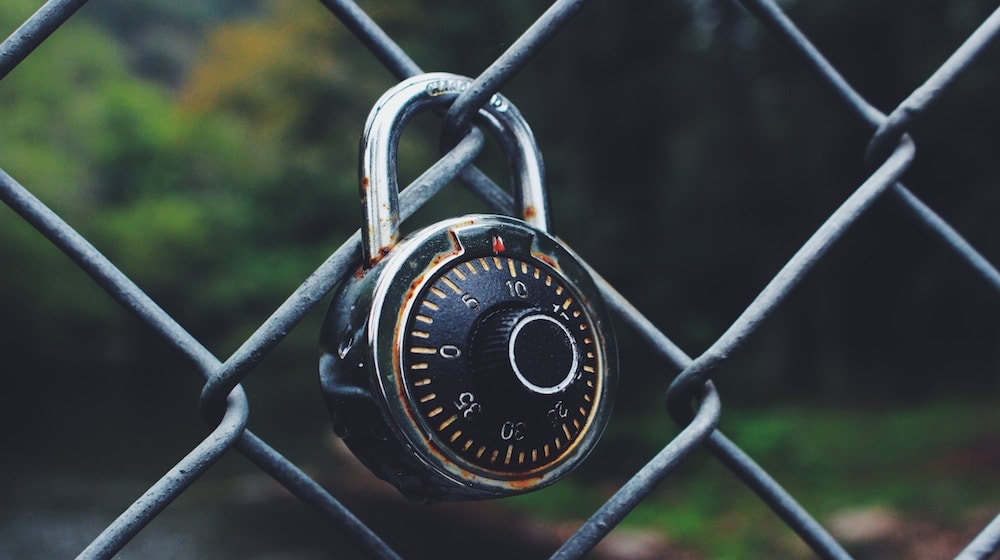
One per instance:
(439,87)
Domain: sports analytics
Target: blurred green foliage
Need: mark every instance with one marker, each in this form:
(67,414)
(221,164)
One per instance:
(209,149)
(933,463)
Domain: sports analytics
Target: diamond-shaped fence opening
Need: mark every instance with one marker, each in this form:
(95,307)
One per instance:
(190,193)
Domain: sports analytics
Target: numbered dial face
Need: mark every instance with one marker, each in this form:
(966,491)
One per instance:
(500,364)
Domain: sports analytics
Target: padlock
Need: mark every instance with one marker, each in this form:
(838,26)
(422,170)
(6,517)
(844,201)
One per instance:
(475,358)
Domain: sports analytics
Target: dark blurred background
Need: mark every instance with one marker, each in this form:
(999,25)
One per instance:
(210,148)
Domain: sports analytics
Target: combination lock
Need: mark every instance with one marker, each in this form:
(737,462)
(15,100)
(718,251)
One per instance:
(473,359)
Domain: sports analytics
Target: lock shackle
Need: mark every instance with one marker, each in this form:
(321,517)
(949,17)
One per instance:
(377,168)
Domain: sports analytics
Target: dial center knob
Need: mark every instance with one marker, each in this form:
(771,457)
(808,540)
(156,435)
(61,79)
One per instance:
(528,346)
(542,354)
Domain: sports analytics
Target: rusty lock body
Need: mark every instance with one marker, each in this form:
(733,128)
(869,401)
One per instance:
(475,358)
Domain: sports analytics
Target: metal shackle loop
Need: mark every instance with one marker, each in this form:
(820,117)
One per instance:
(380,139)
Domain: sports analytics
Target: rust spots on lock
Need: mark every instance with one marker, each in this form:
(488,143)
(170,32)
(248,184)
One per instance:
(411,293)
(365,183)
(524,484)
(530,212)
(382,252)
(400,326)
(546,259)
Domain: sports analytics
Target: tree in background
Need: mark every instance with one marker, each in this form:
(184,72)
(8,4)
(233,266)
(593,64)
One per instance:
(680,140)
(210,150)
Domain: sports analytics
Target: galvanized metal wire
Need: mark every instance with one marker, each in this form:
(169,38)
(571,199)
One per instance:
(691,398)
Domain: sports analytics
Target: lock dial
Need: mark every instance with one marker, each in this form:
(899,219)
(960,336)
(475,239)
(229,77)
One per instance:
(474,361)
(501,361)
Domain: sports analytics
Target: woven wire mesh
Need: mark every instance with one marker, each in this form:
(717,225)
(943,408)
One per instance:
(692,400)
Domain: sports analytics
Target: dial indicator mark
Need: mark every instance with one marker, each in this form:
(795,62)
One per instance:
(454,287)
(448,422)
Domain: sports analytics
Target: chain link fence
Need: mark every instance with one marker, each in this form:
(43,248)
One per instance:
(692,400)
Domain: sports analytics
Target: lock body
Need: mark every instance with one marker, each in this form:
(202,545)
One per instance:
(474,358)
(472,364)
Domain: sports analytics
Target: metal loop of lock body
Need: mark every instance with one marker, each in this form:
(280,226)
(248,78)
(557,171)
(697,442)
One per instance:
(380,141)
(474,358)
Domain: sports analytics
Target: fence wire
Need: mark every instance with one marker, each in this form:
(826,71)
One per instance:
(691,398)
